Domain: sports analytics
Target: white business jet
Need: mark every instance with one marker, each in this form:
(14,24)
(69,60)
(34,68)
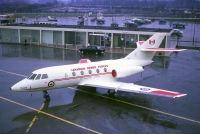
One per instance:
(102,74)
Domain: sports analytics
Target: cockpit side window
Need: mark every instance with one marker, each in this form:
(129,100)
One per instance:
(44,76)
(38,77)
(32,76)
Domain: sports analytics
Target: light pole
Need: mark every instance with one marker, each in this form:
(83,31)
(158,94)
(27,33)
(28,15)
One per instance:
(193,40)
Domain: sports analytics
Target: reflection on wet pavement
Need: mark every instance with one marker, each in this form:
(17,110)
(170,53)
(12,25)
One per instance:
(92,108)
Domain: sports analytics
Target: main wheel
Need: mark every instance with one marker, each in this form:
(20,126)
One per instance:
(111,92)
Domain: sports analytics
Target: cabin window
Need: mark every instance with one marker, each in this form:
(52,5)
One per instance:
(44,76)
(105,69)
(90,71)
(82,73)
(38,77)
(32,76)
(97,71)
(73,73)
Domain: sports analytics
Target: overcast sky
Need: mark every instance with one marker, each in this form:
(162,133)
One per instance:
(45,1)
(38,1)
(31,1)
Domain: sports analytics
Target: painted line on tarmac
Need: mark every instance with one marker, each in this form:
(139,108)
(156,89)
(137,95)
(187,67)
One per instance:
(128,103)
(50,115)
(35,118)
(21,75)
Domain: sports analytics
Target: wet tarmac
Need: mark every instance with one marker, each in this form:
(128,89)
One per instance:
(84,110)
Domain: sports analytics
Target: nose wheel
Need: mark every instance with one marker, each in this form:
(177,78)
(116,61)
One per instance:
(46,96)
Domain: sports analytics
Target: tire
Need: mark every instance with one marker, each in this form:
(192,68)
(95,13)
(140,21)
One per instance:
(51,84)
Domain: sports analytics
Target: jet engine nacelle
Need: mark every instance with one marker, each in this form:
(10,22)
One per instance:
(126,71)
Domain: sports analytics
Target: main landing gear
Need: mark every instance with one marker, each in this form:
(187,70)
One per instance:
(46,96)
(112,92)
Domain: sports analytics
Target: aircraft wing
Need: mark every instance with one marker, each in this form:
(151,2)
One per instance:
(130,87)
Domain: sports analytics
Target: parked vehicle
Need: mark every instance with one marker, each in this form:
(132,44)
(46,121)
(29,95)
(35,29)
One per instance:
(136,22)
(51,18)
(177,33)
(81,20)
(162,22)
(130,24)
(114,25)
(7,19)
(100,19)
(178,26)
(92,49)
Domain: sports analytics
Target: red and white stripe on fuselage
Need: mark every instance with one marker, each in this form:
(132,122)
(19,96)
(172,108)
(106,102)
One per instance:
(162,50)
(78,73)
(151,42)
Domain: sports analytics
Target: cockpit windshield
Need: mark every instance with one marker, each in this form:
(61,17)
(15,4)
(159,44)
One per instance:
(29,76)
(37,76)
(32,77)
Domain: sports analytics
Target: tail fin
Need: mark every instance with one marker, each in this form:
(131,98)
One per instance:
(153,42)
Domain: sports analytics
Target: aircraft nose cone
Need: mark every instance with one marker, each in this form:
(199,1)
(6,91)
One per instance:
(20,86)
(14,87)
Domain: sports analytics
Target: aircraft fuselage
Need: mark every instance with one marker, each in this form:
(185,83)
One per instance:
(72,75)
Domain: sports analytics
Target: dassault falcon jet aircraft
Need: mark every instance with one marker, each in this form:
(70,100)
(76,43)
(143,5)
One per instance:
(102,74)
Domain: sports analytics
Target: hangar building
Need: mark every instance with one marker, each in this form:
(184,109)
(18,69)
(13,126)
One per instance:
(72,36)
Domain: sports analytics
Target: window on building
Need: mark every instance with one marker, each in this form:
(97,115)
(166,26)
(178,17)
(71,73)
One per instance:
(131,40)
(144,37)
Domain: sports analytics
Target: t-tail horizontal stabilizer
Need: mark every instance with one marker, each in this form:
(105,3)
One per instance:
(162,50)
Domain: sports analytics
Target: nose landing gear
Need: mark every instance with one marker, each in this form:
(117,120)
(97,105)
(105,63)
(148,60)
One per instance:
(46,96)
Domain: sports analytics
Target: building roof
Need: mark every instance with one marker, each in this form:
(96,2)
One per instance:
(86,28)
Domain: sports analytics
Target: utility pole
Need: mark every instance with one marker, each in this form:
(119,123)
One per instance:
(193,40)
